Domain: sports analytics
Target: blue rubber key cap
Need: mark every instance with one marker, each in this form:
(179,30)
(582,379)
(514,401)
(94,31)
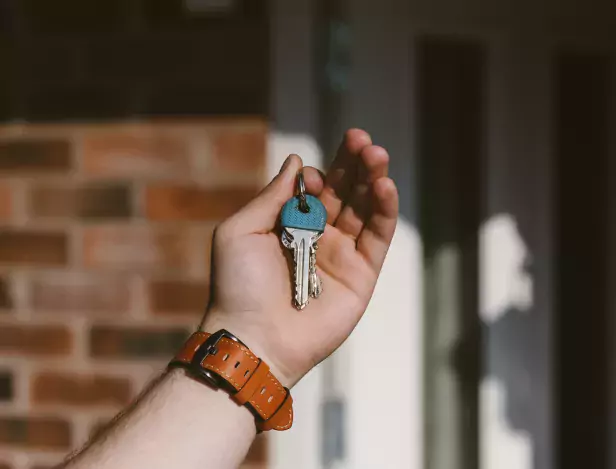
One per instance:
(313,220)
(303,220)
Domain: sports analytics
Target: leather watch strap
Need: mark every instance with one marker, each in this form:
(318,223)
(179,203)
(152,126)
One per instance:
(246,376)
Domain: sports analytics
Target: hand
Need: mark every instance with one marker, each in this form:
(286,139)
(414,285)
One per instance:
(251,270)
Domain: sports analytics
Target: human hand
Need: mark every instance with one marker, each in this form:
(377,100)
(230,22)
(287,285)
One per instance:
(252,292)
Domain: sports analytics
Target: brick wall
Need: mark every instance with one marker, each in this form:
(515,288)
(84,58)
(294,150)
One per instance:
(109,59)
(105,232)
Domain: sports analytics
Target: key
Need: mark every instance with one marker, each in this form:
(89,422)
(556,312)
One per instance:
(301,243)
(303,220)
(315,285)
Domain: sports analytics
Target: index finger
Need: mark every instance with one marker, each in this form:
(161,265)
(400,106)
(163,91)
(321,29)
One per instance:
(342,173)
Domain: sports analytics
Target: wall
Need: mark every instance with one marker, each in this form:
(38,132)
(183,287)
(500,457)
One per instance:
(104,260)
(384,357)
(124,58)
(517,392)
(105,228)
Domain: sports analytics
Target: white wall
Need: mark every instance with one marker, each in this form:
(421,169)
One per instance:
(385,428)
(383,359)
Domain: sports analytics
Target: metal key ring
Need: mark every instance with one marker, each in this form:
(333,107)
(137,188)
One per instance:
(303,204)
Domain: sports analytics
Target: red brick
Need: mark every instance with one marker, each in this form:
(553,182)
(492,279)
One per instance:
(80,390)
(37,433)
(82,293)
(46,20)
(6,202)
(85,202)
(169,202)
(29,247)
(6,298)
(142,248)
(168,99)
(141,154)
(240,150)
(6,385)
(35,340)
(135,342)
(27,156)
(78,101)
(177,297)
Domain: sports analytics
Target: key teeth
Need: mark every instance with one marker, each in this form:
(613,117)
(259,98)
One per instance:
(298,305)
(318,288)
(315,283)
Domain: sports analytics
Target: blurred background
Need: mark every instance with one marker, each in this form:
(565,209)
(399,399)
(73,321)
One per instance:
(129,128)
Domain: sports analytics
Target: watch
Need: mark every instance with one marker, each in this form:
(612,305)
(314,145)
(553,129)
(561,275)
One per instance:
(223,361)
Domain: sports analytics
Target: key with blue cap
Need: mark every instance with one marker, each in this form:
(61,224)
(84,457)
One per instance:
(303,221)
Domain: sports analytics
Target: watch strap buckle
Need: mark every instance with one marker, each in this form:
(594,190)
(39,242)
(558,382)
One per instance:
(221,360)
(209,347)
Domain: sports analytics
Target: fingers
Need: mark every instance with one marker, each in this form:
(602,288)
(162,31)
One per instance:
(261,213)
(375,238)
(342,173)
(314,180)
(373,164)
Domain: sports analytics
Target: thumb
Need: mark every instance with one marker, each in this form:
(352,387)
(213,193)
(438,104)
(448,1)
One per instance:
(261,213)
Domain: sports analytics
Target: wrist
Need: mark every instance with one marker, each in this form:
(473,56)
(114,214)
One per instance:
(223,361)
(260,343)
(189,390)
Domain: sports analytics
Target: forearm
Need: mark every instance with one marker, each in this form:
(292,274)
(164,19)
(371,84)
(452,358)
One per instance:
(178,423)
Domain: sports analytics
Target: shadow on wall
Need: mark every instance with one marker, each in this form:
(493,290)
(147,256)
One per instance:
(508,316)
(511,336)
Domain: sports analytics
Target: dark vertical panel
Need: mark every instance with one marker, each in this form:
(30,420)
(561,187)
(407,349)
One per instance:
(582,146)
(451,87)
(332,46)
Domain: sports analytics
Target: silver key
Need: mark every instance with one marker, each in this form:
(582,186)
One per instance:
(314,285)
(303,220)
(302,241)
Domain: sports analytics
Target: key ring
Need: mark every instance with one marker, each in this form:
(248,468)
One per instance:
(303,204)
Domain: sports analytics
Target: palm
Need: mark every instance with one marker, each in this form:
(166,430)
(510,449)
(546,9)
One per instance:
(253,291)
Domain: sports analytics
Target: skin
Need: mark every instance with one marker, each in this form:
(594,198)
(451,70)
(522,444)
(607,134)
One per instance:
(252,281)
(179,422)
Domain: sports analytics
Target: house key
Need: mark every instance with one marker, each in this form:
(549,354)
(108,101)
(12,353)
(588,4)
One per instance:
(303,219)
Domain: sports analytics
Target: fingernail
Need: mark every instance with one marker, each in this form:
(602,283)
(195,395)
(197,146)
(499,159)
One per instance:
(285,165)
